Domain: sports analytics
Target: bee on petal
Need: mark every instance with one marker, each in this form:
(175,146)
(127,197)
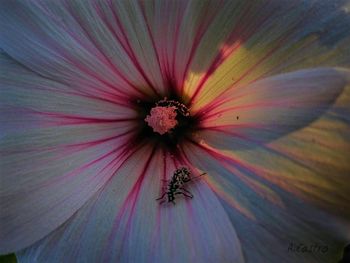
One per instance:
(176,185)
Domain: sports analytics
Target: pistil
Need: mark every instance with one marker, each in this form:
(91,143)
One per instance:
(162,119)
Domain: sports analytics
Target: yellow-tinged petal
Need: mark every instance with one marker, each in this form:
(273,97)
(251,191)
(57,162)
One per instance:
(281,40)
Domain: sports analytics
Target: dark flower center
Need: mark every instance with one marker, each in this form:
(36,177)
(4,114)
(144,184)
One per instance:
(167,122)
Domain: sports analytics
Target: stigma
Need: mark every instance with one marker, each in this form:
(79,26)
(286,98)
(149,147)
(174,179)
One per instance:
(162,119)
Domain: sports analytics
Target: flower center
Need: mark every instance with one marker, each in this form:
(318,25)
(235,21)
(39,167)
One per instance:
(162,119)
(166,122)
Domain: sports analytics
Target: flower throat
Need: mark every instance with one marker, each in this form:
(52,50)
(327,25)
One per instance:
(162,118)
(167,122)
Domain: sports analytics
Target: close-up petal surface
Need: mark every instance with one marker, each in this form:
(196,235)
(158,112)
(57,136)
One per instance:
(53,142)
(265,211)
(127,225)
(256,39)
(270,108)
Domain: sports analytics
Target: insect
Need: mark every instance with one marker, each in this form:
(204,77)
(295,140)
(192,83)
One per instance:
(175,186)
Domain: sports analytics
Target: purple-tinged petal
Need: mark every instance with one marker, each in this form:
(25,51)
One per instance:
(26,93)
(273,224)
(71,43)
(58,148)
(265,110)
(177,28)
(124,222)
(142,47)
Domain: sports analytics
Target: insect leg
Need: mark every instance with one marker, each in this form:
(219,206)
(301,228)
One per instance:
(185,194)
(188,192)
(162,202)
(161,196)
(198,176)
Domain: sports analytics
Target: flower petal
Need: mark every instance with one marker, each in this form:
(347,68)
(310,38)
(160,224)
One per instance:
(53,142)
(177,28)
(124,223)
(252,40)
(268,109)
(82,42)
(312,162)
(271,222)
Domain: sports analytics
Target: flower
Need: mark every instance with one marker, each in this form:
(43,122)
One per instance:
(260,96)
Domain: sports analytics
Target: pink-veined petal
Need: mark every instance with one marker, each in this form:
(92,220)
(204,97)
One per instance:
(250,40)
(177,28)
(83,42)
(142,47)
(301,143)
(26,94)
(273,225)
(252,115)
(124,222)
(57,149)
